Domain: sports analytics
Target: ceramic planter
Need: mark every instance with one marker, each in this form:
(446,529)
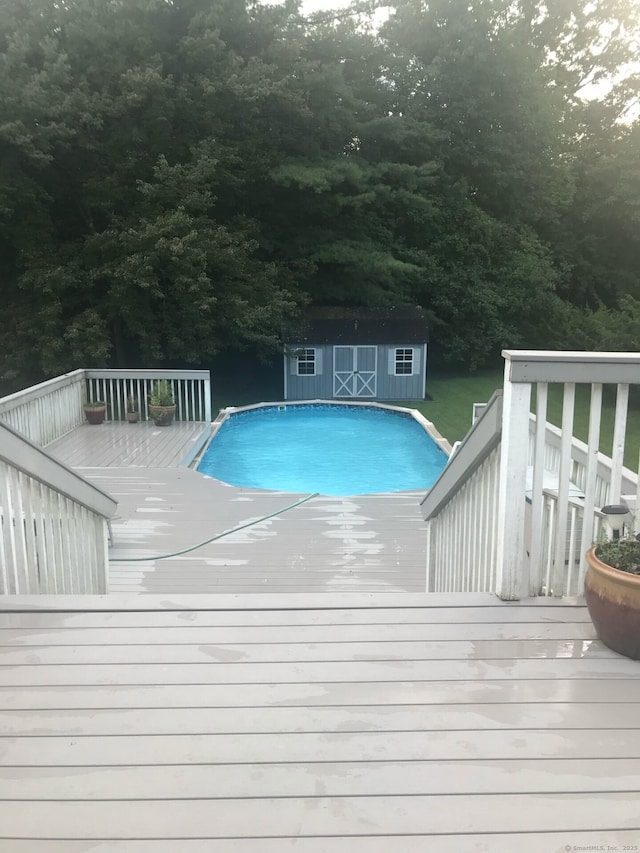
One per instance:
(162,415)
(133,417)
(613,600)
(95,414)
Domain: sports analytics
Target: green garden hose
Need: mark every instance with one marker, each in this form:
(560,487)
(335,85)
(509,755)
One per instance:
(213,538)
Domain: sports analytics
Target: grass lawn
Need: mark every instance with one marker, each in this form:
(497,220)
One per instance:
(581,419)
(452,398)
(454,394)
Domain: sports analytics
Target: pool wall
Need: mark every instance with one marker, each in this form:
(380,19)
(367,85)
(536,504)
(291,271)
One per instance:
(427,426)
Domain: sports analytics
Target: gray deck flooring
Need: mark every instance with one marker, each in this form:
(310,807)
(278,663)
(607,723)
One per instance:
(140,445)
(365,543)
(371,543)
(321,724)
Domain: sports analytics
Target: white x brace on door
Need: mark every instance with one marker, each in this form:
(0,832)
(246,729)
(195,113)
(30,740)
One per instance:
(355,371)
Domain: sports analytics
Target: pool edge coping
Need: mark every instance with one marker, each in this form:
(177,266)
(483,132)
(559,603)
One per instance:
(228,411)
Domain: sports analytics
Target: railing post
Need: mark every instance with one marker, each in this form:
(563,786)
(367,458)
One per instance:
(512,572)
(207,399)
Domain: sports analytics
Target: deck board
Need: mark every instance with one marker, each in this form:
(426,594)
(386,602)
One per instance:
(372,778)
(106,722)
(311,672)
(322,816)
(320,694)
(554,842)
(268,652)
(361,725)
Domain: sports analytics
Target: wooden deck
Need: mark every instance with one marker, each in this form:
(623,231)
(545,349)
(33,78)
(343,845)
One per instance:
(366,543)
(320,724)
(370,543)
(140,445)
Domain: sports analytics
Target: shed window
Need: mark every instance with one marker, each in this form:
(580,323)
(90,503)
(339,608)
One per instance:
(307,362)
(404,362)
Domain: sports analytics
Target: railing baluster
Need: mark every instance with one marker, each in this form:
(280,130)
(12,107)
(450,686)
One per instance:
(7,562)
(589,487)
(31,566)
(568,409)
(177,394)
(123,386)
(20,542)
(617,451)
(513,478)
(485,523)
(550,543)
(571,561)
(537,508)
(42,565)
(635,524)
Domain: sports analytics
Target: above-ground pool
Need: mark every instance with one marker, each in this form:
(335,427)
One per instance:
(330,449)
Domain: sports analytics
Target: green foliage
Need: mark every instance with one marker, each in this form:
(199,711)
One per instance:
(177,179)
(162,394)
(622,554)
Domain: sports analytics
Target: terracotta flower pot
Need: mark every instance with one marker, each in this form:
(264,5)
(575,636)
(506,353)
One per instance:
(613,600)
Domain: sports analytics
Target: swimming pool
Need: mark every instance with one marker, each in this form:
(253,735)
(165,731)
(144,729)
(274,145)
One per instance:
(330,449)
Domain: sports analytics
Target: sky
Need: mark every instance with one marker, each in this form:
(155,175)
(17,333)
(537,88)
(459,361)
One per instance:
(315,5)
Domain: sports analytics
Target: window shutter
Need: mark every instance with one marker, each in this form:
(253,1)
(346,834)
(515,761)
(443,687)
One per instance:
(416,361)
(293,364)
(392,361)
(318,362)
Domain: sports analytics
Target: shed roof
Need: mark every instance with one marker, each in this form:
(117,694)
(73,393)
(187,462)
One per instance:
(339,325)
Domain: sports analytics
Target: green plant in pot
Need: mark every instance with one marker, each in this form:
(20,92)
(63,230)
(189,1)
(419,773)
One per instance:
(133,409)
(612,587)
(162,405)
(95,411)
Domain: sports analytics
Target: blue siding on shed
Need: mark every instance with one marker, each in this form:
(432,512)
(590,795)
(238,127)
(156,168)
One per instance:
(388,385)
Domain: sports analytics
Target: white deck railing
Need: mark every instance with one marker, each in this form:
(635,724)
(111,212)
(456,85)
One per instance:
(461,511)
(578,469)
(545,486)
(53,523)
(191,391)
(518,576)
(46,412)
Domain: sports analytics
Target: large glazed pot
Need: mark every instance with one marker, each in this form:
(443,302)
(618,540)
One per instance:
(613,599)
(96,412)
(162,415)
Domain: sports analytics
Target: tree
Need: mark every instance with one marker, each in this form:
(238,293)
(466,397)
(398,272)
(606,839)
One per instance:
(123,149)
(177,177)
(597,242)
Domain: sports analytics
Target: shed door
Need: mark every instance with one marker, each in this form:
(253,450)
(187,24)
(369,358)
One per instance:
(354,371)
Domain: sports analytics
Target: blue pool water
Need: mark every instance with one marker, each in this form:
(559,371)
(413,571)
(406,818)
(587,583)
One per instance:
(333,450)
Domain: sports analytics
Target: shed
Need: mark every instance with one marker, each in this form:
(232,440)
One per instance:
(369,353)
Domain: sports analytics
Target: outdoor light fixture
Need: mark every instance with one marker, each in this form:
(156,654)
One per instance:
(616,515)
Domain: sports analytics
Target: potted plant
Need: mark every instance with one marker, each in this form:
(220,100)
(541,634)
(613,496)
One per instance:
(162,406)
(133,411)
(612,592)
(95,411)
